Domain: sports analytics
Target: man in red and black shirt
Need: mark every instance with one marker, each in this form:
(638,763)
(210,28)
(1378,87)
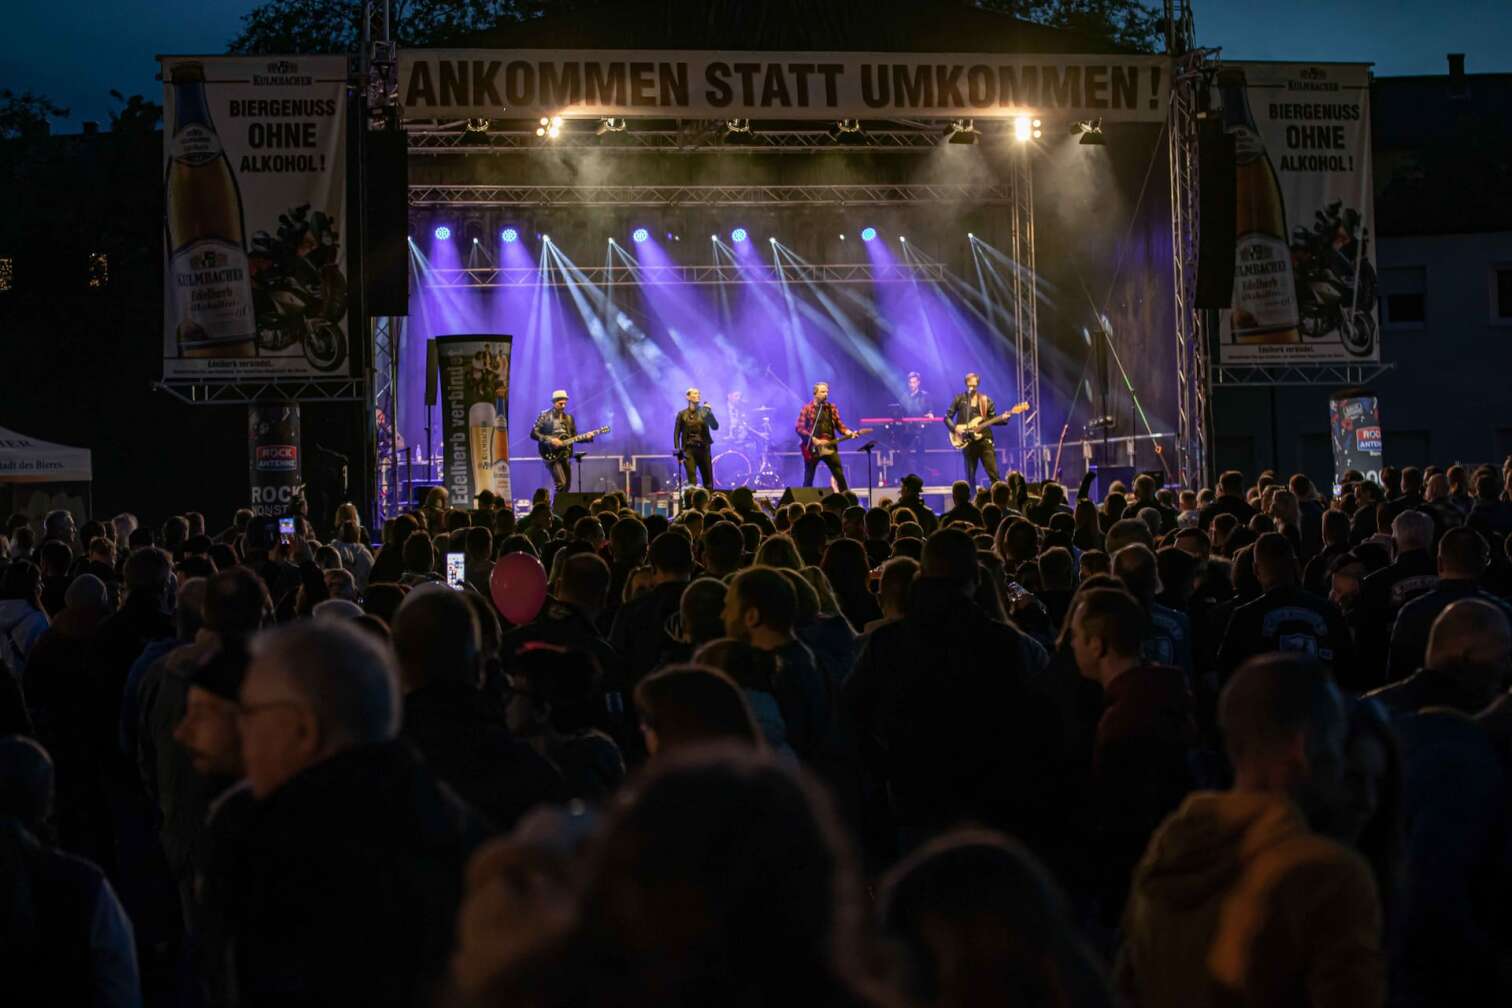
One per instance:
(819,421)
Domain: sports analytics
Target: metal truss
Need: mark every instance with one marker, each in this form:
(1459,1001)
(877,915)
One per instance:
(1241,375)
(1026,310)
(1192,325)
(699,196)
(295,390)
(385,358)
(694,138)
(719,273)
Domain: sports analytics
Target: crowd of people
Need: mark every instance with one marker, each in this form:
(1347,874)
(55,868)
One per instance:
(1249,745)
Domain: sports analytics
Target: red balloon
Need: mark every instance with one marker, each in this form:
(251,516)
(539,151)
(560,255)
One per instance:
(518,587)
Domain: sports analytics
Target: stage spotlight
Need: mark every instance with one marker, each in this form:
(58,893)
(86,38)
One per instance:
(868,233)
(442,233)
(1037,133)
(640,235)
(546,239)
(737,131)
(903,239)
(475,241)
(550,127)
(842,237)
(1091,132)
(847,131)
(476,125)
(509,234)
(739,235)
(962,131)
(613,124)
(1022,129)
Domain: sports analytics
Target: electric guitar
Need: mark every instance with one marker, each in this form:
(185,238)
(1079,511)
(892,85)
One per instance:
(964,434)
(560,449)
(820,448)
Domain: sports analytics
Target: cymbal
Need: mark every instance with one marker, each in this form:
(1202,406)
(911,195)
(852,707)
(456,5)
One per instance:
(762,409)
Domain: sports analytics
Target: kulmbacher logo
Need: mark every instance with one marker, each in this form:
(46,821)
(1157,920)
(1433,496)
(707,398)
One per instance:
(281,73)
(1314,73)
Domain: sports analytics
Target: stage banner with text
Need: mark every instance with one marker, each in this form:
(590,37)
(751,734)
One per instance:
(474,383)
(529,83)
(254,175)
(276,472)
(1304,265)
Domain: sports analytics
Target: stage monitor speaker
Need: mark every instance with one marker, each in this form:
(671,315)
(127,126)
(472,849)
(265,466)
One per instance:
(568,499)
(385,223)
(1107,476)
(1217,212)
(803,495)
(432,373)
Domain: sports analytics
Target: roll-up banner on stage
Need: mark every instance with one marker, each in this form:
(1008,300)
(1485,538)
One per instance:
(474,387)
(1304,267)
(254,169)
(273,456)
(1355,424)
(526,83)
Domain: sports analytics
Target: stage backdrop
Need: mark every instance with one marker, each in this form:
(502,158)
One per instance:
(527,83)
(474,372)
(1304,274)
(255,212)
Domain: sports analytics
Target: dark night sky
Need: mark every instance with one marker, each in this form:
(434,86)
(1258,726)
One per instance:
(103,44)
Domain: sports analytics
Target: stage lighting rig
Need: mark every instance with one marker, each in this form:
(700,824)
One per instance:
(476,125)
(509,235)
(613,124)
(550,127)
(1026,129)
(962,131)
(1091,133)
(638,235)
(737,130)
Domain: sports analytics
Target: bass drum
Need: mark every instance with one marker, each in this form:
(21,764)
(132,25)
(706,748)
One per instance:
(732,468)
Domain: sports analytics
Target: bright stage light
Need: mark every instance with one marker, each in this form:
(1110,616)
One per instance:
(868,233)
(442,233)
(475,241)
(903,239)
(739,234)
(546,238)
(550,127)
(640,235)
(509,234)
(1022,129)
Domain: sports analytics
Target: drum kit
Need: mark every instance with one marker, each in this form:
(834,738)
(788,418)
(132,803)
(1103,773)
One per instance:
(747,461)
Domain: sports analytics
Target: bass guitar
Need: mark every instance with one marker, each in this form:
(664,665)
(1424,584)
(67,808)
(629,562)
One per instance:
(820,448)
(964,434)
(560,449)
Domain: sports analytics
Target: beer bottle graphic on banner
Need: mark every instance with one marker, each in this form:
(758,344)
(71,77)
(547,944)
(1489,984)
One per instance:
(1265,291)
(481,418)
(211,283)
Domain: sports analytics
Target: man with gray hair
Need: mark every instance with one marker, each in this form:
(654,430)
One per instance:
(338,880)
(1383,594)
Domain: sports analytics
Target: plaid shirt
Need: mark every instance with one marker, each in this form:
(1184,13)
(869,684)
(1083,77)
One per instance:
(808,417)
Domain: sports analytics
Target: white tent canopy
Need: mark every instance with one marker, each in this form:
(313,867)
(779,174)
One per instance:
(31,460)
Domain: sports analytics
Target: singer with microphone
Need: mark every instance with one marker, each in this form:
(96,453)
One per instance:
(692,440)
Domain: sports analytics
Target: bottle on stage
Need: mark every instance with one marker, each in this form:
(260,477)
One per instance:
(481,429)
(1265,290)
(209,275)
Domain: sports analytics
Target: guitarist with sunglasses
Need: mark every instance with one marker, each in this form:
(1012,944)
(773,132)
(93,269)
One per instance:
(555,431)
(967,421)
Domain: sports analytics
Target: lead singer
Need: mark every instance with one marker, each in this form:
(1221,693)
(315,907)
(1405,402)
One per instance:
(691,438)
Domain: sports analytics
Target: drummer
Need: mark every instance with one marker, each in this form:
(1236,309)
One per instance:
(740,429)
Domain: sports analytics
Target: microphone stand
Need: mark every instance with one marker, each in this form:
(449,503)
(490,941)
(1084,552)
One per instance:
(677,495)
(578,458)
(870,479)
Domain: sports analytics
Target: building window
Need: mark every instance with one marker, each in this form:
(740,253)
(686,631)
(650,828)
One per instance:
(7,274)
(99,270)
(1501,294)
(1404,297)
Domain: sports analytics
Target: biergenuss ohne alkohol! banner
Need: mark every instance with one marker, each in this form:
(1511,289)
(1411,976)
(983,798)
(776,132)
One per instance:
(474,383)
(254,176)
(1304,269)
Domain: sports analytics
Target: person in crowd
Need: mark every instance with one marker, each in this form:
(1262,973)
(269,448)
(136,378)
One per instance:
(1369,816)
(447,719)
(911,498)
(1468,662)
(1286,618)
(1238,896)
(22,621)
(723,550)
(555,703)
(573,614)
(699,619)
(639,633)
(1229,500)
(894,585)
(724,879)
(978,920)
(64,936)
(1463,559)
(845,568)
(1168,632)
(685,706)
(949,725)
(342,883)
